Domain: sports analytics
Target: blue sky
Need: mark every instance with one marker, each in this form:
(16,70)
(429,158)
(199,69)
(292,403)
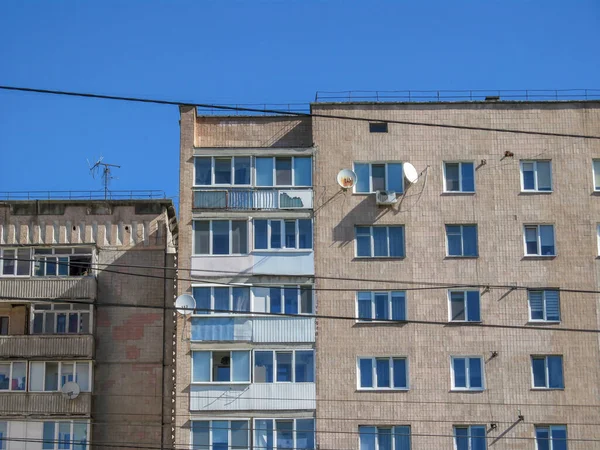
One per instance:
(250,52)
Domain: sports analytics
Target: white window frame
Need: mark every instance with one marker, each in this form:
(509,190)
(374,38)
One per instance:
(60,375)
(550,440)
(10,376)
(598,237)
(210,237)
(374,373)
(539,240)
(547,387)
(462,240)
(545,319)
(293,172)
(6,437)
(467,373)
(212,382)
(469,434)
(393,434)
(535,175)
(274,352)
(57,442)
(213,313)
(55,311)
(373,306)
(229,419)
(387,175)
(232,168)
(294,431)
(465,303)
(387,230)
(16,260)
(460,180)
(283,248)
(40,258)
(298,288)
(594,162)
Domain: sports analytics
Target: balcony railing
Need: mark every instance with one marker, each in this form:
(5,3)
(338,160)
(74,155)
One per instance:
(19,403)
(47,346)
(245,199)
(39,287)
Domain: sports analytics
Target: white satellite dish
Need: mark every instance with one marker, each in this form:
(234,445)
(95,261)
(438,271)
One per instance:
(410,173)
(70,390)
(346,178)
(185,304)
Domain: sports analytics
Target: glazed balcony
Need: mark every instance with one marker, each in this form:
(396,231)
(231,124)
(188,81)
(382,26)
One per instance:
(253,199)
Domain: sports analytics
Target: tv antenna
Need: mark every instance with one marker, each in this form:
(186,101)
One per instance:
(106,175)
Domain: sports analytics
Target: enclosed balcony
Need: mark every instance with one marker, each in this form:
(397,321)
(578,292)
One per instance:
(43,288)
(253,199)
(43,403)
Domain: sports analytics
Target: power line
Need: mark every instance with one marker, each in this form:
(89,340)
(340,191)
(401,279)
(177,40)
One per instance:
(311,316)
(289,113)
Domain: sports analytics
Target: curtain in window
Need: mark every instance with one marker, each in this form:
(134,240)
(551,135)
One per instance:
(398,306)
(402,438)
(222,170)
(452,177)
(363,241)
(306,300)
(528,175)
(285,433)
(597,174)
(215,329)
(263,435)
(241,366)
(384,438)
(305,366)
(283,171)
(555,372)
(264,171)
(241,299)
(302,171)
(221,295)
(542,438)
(367,437)
(383,372)
(202,297)
(461,438)
(454,238)
(380,241)
(364,305)
(381,305)
(544,176)
(201,237)
(241,166)
(263,367)
(362,177)
(82,373)
(478,438)
(64,435)
(399,369)
(539,372)
(547,239)
(469,240)
(457,305)
(284,366)
(536,305)
(203,171)
(220,434)
(552,305)
(559,438)
(3,435)
(80,436)
(220,237)
(305,434)
(239,237)
(200,434)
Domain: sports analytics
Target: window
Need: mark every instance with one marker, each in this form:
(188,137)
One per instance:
(220,434)
(547,372)
(459,177)
(381,305)
(221,366)
(461,240)
(467,373)
(282,234)
(13,376)
(539,240)
(15,262)
(62,262)
(50,376)
(284,171)
(4,325)
(382,373)
(384,438)
(380,242)
(221,300)
(60,318)
(469,437)
(277,434)
(551,437)
(378,127)
(285,366)
(291,300)
(544,306)
(65,435)
(222,171)
(385,176)
(464,306)
(536,176)
(220,237)
(3,435)
(596,168)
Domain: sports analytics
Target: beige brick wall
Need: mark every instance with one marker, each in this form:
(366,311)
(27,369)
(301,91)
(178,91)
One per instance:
(499,210)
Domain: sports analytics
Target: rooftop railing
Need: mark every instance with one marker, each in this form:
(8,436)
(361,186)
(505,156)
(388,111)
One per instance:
(83,195)
(458,96)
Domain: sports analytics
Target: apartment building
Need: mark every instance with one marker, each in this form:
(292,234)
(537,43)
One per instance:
(471,256)
(464,319)
(245,358)
(85,335)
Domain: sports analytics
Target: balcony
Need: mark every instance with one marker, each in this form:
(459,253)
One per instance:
(20,403)
(253,329)
(252,199)
(254,396)
(47,346)
(293,262)
(32,288)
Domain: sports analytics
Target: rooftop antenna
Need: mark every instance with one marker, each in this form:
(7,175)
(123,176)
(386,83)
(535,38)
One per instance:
(106,176)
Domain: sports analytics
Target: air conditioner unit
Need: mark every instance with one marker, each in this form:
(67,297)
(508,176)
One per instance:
(385,197)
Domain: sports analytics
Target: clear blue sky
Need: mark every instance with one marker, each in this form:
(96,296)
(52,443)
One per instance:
(251,52)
